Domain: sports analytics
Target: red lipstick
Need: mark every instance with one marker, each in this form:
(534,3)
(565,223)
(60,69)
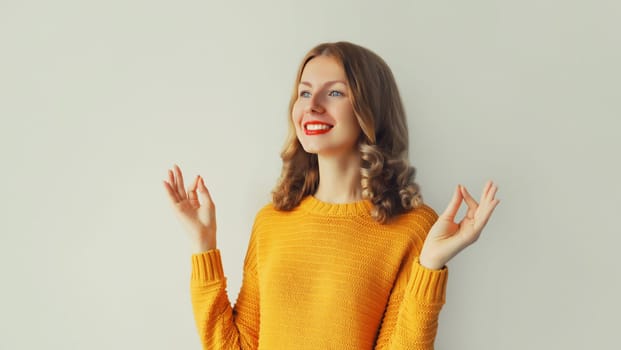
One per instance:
(314,127)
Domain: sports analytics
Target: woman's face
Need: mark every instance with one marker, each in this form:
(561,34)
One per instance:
(323,115)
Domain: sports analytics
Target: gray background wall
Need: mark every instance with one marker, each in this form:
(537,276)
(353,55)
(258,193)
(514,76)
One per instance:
(99,99)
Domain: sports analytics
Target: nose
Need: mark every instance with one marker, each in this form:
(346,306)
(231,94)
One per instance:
(314,105)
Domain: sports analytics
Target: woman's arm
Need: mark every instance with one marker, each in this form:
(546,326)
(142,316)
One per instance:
(411,317)
(219,325)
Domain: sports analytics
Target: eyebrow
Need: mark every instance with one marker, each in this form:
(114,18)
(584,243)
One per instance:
(326,83)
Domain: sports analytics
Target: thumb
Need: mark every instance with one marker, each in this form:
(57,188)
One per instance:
(203,193)
(453,206)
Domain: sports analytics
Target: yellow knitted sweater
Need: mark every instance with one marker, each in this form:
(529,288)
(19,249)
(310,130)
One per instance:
(323,276)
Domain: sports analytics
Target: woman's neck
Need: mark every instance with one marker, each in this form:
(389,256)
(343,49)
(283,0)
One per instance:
(339,179)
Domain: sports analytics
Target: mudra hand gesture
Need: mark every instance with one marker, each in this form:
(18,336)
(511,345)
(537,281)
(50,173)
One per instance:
(447,238)
(197,217)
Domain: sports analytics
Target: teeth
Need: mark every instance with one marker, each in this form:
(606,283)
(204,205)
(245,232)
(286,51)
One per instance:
(317,127)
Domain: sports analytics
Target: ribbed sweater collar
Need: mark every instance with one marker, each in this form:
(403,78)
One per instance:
(314,205)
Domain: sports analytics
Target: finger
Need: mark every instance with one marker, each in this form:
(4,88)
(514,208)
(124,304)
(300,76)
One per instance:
(192,190)
(172,194)
(491,193)
(486,214)
(472,204)
(453,206)
(180,186)
(172,184)
(486,188)
(487,207)
(495,203)
(203,193)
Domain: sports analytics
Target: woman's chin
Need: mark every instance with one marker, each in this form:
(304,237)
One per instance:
(318,150)
(311,148)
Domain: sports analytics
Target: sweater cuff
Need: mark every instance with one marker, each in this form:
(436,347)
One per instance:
(207,266)
(428,285)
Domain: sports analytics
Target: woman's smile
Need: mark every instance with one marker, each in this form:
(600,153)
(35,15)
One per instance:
(316,128)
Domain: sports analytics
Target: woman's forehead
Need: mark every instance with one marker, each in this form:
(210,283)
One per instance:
(322,70)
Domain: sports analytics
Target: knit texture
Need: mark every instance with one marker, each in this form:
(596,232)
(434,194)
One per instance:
(323,276)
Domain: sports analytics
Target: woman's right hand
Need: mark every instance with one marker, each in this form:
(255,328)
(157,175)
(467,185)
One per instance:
(197,217)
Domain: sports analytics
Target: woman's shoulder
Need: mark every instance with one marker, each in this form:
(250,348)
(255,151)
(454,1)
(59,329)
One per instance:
(424,212)
(266,211)
(420,219)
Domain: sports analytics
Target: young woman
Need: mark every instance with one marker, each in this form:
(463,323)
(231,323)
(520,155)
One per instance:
(346,255)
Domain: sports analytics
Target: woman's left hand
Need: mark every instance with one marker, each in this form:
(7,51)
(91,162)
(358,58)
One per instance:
(447,238)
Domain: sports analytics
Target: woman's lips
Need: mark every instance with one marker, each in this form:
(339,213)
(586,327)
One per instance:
(316,132)
(316,128)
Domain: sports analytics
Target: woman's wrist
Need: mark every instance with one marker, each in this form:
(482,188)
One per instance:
(430,264)
(202,247)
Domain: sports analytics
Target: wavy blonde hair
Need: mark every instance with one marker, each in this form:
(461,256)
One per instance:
(387,178)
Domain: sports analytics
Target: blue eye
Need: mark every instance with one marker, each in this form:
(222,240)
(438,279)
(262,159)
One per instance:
(333,93)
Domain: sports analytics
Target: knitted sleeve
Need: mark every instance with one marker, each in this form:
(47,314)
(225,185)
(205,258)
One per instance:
(411,317)
(219,325)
